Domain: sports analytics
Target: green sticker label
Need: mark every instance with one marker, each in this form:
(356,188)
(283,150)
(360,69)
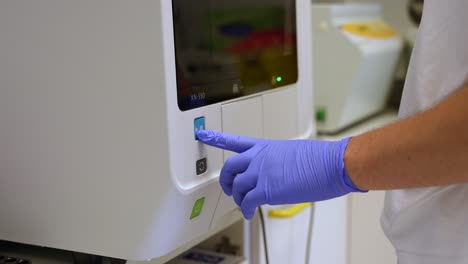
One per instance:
(197,208)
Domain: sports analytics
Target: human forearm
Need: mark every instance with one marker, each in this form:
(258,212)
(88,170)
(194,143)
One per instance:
(428,149)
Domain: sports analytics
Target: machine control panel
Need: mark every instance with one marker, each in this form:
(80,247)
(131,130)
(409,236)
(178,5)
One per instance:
(230,49)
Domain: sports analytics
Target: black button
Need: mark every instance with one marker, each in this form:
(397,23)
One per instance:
(201,166)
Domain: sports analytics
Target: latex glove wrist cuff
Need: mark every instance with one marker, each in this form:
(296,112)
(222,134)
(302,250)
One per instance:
(345,177)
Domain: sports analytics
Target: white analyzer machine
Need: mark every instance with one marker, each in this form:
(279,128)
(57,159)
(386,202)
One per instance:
(355,56)
(99,102)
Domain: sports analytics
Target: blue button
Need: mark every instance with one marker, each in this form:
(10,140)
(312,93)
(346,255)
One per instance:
(198,124)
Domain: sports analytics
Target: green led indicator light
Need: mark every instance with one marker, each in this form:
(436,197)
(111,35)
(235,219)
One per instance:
(279,79)
(321,115)
(197,208)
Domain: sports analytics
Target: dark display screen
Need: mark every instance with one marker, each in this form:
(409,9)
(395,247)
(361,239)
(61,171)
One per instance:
(231,48)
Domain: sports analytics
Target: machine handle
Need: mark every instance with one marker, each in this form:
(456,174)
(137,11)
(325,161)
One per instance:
(289,212)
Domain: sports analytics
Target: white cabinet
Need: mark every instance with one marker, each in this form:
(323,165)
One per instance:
(367,243)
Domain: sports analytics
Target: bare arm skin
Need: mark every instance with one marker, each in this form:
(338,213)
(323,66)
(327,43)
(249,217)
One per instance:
(428,149)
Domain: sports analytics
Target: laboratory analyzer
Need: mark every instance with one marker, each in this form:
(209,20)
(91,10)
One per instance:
(100,102)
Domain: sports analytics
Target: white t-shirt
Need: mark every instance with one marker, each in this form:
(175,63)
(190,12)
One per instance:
(430,225)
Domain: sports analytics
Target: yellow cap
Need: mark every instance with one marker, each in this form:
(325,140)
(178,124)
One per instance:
(377,29)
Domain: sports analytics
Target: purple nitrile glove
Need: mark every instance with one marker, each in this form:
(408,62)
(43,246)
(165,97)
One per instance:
(280,171)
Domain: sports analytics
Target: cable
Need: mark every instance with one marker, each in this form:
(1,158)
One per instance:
(311,228)
(265,245)
(309,240)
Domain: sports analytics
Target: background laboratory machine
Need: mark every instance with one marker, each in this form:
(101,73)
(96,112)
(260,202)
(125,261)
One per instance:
(404,15)
(355,57)
(100,102)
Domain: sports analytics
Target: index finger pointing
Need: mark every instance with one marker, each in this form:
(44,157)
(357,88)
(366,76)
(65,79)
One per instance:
(224,141)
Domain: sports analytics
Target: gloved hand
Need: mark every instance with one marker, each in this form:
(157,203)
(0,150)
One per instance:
(280,171)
